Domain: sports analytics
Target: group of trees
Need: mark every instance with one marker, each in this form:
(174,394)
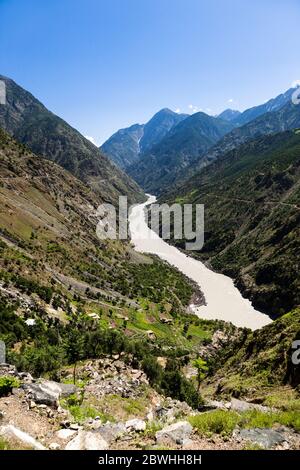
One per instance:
(49,345)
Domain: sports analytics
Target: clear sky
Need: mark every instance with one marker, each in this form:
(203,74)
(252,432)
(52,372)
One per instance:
(106,64)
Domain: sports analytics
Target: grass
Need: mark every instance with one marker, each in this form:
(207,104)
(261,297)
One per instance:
(215,422)
(4,445)
(224,422)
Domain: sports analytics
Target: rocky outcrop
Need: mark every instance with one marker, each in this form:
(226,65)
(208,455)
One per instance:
(177,433)
(265,438)
(48,392)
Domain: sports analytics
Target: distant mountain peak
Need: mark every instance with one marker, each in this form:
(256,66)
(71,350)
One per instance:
(229,114)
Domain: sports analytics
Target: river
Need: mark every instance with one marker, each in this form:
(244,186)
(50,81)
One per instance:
(223,300)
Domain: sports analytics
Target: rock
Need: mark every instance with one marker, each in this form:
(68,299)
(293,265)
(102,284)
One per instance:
(240,406)
(87,440)
(48,392)
(218,405)
(54,446)
(137,425)
(151,335)
(65,433)
(11,432)
(266,438)
(150,416)
(75,426)
(177,432)
(186,443)
(111,432)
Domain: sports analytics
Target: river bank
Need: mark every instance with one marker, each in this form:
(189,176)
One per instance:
(223,301)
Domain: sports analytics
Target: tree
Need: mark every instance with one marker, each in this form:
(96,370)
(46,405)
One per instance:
(202,368)
(75,349)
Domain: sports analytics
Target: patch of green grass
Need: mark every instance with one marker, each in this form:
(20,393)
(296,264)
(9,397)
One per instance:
(252,446)
(4,445)
(215,422)
(224,422)
(7,383)
(258,419)
(152,427)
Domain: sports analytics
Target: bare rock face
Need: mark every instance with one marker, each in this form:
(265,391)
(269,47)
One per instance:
(87,440)
(177,433)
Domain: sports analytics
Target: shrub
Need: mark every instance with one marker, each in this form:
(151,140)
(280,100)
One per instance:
(7,384)
(215,422)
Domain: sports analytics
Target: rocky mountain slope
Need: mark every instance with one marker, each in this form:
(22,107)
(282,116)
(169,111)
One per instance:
(184,144)
(47,135)
(272,105)
(127,146)
(252,213)
(113,404)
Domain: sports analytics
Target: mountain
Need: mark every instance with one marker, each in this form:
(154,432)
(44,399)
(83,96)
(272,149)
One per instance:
(127,145)
(229,115)
(158,127)
(123,147)
(29,122)
(252,212)
(272,105)
(182,145)
(286,118)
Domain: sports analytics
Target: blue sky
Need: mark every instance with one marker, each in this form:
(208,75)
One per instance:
(106,64)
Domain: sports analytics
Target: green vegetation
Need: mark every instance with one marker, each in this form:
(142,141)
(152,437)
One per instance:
(224,422)
(215,422)
(4,445)
(7,383)
(252,218)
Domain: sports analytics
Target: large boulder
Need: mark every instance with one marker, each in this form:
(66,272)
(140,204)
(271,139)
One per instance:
(47,392)
(87,440)
(177,433)
(265,438)
(11,433)
(111,431)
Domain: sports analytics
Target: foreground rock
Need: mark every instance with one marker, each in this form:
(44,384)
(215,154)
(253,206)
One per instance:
(111,432)
(137,425)
(265,438)
(48,392)
(10,432)
(178,433)
(87,440)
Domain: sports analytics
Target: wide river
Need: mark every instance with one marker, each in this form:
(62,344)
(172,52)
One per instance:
(223,300)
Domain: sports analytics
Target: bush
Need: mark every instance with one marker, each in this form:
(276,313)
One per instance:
(7,383)
(215,422)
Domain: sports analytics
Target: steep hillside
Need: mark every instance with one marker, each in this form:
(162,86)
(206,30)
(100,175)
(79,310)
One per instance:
(123,147)
(284,119)
(258,364)
(29,122)
(184,144)
(252,218)
(127,146)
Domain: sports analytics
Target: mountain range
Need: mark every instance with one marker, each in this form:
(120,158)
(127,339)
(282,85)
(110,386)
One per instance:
(127,145)
(47,135)
(195,141)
